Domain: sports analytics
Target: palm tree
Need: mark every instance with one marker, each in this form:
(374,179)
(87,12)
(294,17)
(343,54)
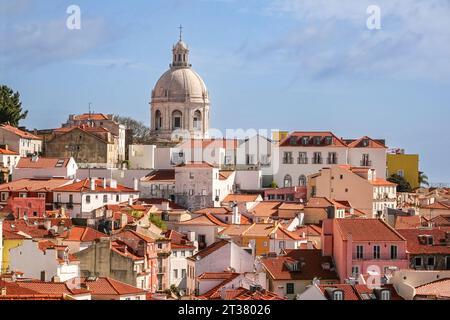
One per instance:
(423,179)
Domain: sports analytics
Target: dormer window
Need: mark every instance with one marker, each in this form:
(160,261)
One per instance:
(305,140)
(338,295)
(365,143)
(293,140)
(317,140)
(385,295)
(328,140)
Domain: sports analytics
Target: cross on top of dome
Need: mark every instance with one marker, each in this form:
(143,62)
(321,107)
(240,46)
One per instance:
(180,53)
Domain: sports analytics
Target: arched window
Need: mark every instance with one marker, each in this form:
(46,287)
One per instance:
(176,120)
(287,181)
(302,181)
(197,120)
(158,120)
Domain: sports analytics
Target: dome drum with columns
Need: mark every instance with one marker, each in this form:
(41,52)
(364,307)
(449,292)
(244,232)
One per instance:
(180,99)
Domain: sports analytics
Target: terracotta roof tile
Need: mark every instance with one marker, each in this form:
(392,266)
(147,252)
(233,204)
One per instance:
(18,132)
(8,152)
(439,289)
(241,198)
(335,141)
(367,230)
(309,266)
(209,250)
(41,163)
(82,234)
(415,246)
(160,175)
(34,185)
(84,186)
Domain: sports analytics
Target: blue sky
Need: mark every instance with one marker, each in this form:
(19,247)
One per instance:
(287,64)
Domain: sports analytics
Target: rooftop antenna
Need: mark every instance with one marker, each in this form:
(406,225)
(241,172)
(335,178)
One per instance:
(90,104)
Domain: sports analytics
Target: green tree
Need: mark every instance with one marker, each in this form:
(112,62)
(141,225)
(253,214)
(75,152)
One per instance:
(423,179)
(157,221)
(175,290)
(10,107)
(139,131)
(273,185)
(402,184)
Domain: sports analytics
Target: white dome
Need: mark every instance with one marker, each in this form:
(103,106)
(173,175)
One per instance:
(180,85)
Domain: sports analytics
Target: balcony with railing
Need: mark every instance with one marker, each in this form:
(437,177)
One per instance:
(288,160)
(366,163)
(317,160)
(302,160)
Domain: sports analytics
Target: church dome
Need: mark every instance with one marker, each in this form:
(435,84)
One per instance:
(180,84)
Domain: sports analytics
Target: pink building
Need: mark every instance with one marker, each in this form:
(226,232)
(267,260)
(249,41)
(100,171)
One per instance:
(362,245)
(31,207)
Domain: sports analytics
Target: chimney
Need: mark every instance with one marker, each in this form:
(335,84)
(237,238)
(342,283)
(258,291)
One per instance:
(130,201)
(92,184)
(3,291)
(35,158)
(113,183)
(236,218)
(47,224)
(136,184)
(165,206)
(191,236)
(123,220)
(104,183)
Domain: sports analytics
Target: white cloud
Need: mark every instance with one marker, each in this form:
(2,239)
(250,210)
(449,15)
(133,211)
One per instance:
(39,43)
(333,37)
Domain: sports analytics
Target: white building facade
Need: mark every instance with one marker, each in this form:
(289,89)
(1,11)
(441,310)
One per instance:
(43,262)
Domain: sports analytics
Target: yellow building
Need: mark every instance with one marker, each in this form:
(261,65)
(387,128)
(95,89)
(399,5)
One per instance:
(405,165)
(10,240)
(279,135)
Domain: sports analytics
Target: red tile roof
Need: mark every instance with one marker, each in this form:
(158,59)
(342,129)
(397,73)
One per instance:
(347,289)
(52,287)
(109,286)
(244,294)
(82,234)
(439,289)
(33,231)
(241,198)
(41,163)
(8,152)
(214,210)
(214,293)
(18,132)
(160,175)
(335,141)
(84,186)
(381,182)
(206,219)
(34,185)
(407,222)
(34,297)
(209,250)
(367,230)
(415,246)
(438,205)
(224,175)
(310,264)
(371,143)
